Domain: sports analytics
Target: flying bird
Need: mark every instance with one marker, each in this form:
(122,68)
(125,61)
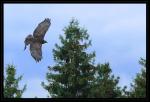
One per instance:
(37,39)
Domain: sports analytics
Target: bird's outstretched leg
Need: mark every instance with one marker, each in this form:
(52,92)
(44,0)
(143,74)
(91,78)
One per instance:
(25,46)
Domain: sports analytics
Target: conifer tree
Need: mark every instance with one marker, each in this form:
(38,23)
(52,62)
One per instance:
(73,73)
(11,87)
(138,87)
(105,84)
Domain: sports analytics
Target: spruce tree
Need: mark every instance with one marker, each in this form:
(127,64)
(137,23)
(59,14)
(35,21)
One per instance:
(138,87)
(11,87)
(73,73)
(105,84)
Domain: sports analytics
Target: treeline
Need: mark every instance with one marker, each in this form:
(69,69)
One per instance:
(75,75)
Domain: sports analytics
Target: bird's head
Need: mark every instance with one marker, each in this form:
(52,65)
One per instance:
(47,19)
(28,40)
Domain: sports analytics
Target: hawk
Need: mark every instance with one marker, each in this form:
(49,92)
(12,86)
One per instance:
(37,39)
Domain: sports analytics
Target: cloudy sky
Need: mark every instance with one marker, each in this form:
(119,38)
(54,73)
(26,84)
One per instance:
(118,33)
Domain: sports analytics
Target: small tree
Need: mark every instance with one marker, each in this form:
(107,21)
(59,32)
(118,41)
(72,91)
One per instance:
(11,89)
(138,87)
(105,84)
(74,71)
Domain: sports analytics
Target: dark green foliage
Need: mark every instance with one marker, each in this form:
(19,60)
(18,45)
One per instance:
(75,75)
(72,74)
(138,87)
(105,84)
(11,89)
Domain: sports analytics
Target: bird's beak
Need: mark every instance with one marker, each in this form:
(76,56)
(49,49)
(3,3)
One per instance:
(45,41)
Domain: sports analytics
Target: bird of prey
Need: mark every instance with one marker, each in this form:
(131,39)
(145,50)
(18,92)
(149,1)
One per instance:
(37,39)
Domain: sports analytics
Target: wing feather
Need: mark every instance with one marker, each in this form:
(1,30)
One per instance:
(36,51)
(41,29)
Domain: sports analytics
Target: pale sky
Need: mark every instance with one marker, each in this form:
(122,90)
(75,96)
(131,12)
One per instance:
(118,33)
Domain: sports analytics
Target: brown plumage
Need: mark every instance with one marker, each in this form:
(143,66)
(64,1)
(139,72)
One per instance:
(37,39)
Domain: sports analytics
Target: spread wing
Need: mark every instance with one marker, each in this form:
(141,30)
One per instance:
(36,51)
(41,29)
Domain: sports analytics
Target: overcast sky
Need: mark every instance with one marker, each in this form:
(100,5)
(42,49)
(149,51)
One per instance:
(118,33)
